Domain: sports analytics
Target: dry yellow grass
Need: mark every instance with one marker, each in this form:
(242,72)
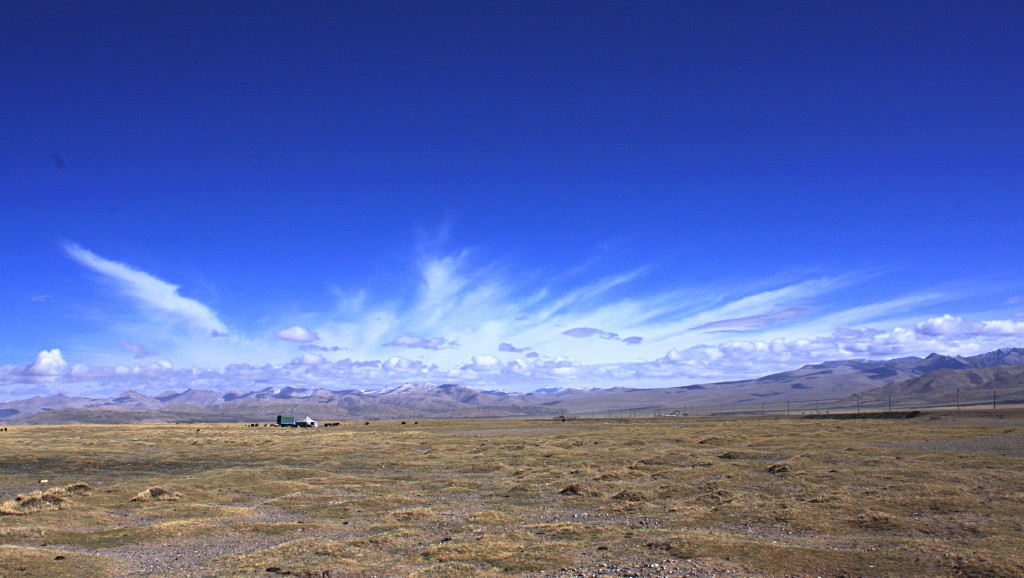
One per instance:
(43,500)
(52,563)
(517,497)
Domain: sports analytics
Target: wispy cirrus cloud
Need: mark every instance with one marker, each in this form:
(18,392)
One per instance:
(139,351)
(149,291)
(484,310)
(324,348)
(584,332)
(415,341)
(509,348)
(753,322)
(486,326)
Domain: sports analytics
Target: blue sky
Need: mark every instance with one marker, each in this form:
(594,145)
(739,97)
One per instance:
(504,194)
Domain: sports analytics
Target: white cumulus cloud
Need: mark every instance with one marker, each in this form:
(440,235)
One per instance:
(403,365)
(299,334)
(1002,327)
(945,325)
(950,325)
(484,363)
(47,363)
(309,359)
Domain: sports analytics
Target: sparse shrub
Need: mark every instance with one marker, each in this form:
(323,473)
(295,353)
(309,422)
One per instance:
(747,455)
(492,517)
(502,553)
(43,500)
(413,514)
(631,496)
(156,493)
(581,490)
(449,570)
(34,502)
(76,488)
(875,520)
(714,493)
(22,532)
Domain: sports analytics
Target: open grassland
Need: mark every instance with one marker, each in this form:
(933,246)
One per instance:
(938,495)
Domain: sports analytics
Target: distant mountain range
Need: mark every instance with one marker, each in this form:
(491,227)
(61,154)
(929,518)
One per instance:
(933,379)
(953,385)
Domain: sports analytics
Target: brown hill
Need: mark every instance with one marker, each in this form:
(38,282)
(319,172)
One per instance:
(950,385)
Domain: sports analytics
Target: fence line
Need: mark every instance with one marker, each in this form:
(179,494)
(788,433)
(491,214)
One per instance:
(973,399)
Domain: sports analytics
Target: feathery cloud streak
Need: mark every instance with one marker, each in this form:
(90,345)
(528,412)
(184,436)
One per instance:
(150,291)
(754,321)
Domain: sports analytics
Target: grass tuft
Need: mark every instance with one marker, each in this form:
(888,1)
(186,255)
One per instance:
(156,493)
(43,500)
(581,489)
